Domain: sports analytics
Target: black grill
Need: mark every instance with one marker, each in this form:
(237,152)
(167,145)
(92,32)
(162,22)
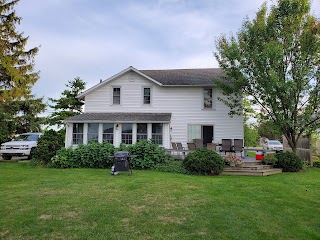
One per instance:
(122,162)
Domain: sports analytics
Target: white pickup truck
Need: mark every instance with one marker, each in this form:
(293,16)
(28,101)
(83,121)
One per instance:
(20,146)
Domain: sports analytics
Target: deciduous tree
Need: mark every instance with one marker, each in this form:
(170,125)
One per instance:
(275,59)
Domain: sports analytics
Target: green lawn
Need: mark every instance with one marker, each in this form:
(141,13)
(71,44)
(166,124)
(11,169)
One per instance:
(41,203)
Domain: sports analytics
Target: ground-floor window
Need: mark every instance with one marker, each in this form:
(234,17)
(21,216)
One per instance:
(93,132)
(126,136)
(77,134)
(194,132)
(157,134)
(107,135)
(142,131)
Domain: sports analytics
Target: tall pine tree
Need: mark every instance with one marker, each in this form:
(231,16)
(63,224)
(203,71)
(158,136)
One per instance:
(17,75)
(67,105)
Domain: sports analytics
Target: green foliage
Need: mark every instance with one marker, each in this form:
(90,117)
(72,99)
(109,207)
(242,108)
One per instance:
(316,163)
(269,159)
(288,161)
(204,161)
(48,145)
(97,155)
(67,105)
(18,108)
(148,154)
(171,166)
(250,135)
(274,59)
(93,155)
(269,130)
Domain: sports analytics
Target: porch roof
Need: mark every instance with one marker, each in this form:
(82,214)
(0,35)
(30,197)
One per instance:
(120,117)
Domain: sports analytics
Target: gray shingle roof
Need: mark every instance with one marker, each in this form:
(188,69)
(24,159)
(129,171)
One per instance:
(185,77)
(120,117)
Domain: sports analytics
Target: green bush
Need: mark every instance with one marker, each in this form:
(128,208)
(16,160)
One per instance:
(204,161)
(92,155)
(316,163)
(148,154)
(288,161)
(97,155)
(269,159)
(172,166)
(48,145)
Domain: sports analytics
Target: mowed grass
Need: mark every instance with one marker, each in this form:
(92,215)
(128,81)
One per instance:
(42,203)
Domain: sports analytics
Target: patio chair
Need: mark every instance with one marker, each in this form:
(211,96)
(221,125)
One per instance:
(226,146)
(175,151)
(198,142)
(211,146)
(238,146)
(191,146)
(179,146)
(174,146)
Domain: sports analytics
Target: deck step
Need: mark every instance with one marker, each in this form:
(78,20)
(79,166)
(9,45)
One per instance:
(250,167)
(249,172)
(252,162)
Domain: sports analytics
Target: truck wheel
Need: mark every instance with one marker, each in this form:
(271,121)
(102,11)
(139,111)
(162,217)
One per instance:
(30,155)
(6,157)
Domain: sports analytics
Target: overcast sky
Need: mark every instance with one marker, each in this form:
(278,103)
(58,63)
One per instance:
(95,39)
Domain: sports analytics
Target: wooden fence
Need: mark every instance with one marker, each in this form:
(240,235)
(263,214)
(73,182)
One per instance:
(304,149)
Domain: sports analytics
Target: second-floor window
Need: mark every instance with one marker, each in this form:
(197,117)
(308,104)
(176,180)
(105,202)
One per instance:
(146,95)
(207,98)
(116,95)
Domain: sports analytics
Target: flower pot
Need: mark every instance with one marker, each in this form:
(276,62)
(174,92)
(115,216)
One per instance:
(232,164)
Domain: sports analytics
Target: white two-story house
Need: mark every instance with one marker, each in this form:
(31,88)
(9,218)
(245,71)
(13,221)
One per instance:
(177,105)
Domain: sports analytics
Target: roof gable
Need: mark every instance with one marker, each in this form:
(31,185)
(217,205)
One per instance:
(168,77)
(107,81)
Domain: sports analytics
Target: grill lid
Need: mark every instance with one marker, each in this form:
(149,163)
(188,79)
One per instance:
(122,154)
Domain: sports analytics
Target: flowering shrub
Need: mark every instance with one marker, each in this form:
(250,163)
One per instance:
(233,159)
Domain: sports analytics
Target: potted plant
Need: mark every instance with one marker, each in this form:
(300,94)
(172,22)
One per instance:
(234,160)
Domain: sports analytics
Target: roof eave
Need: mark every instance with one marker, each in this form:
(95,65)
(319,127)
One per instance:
(109,121)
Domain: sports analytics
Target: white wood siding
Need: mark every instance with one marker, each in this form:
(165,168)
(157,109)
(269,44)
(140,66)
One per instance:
(185,104)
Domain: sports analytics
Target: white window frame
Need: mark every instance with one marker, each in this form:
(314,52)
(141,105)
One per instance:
(142,94)
(112,96)
(157,134)
(112,134)
(89,134)
(75,136)
(203,98)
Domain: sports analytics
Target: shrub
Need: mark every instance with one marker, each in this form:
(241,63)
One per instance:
(172,166)
(48,145)
(269,159)
(148,154)
(204,161)
(92,155)
(288,161)
(316,163)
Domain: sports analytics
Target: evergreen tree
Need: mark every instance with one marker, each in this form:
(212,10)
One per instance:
(17,74)
(16,64)
(67,105)
(27,119)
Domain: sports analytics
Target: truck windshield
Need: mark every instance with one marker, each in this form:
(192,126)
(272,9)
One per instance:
(26,137)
